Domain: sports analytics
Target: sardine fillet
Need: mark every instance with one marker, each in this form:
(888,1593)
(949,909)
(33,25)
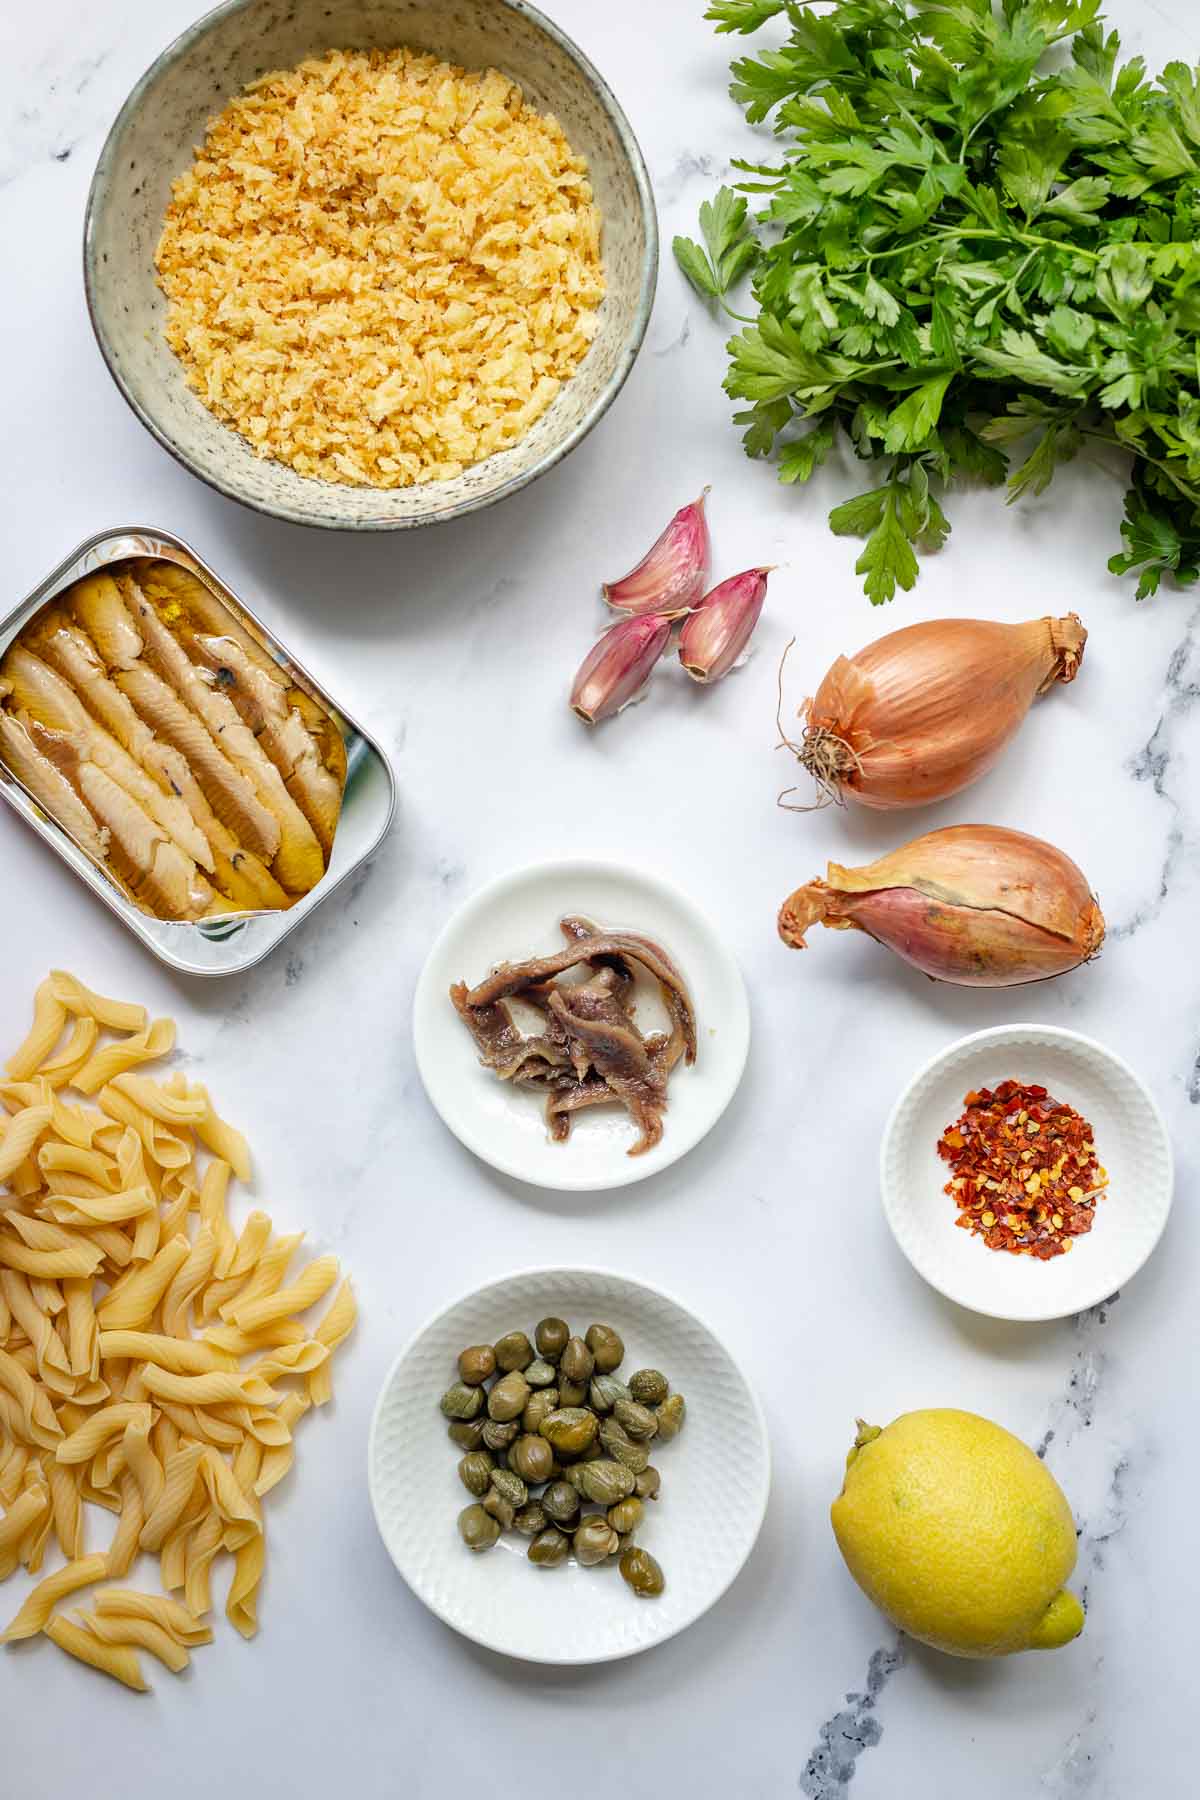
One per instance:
(226,789)
(50,788)
(156,871)
(299,863)
(96,604)
(71,654)
(262,705)
(44,695)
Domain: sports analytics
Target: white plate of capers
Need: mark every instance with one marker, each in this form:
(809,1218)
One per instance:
(576,1525)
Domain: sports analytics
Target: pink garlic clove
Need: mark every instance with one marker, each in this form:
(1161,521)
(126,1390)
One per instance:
(673,573)
(614,669)
(717,633)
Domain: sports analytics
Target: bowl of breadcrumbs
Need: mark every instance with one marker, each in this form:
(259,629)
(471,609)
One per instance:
(369,264)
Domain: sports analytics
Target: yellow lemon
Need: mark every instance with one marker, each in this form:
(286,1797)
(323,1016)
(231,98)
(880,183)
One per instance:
(957,1531)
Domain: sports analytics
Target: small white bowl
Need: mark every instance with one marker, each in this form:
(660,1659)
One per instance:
(517,917)
(1131,1143)
(571,1614)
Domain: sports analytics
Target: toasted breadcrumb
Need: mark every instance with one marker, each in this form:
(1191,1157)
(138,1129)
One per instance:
(379,268)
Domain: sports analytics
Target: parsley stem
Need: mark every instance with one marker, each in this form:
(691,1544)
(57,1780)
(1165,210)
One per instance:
(1016,239)
(1140,455)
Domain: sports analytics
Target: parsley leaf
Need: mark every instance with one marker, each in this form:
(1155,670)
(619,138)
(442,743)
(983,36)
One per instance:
(964,242)
(1155,545)
(732,247)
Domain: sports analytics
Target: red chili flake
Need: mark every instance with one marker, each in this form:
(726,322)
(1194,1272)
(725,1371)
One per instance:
(1026,1178)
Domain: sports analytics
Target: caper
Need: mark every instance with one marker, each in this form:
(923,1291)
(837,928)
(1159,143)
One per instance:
(576,1362)
(475,1472)
(477,1529)
(539,1406)
(510,1484)
(574,1477)
(643,1574)
(647,1484)
(549,1548)
(477,1365)
(539,1374)
(550,1336)
(594,1541)
(571,1393)
(649,1387)
(571,1429)
(461,1401)
(606,1346)
(531,1518)
(670,1416)
(507,1399)
(560,1502)
(468,1434)
(617,1444)
(532,1458)
(499,1436)
(639,1422)
(604,1391)
(626,1515)
(500,1508)
(513,1352)
(607,1482)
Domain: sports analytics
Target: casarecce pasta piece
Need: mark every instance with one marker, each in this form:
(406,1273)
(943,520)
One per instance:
(114,1015)
(143,1634)
(178,1487)
(94,1433)
(316,1280)
(336,1325)
(153,1041)
(119,1661)
(49,1018)
(41,1601)
(132,1301)
(169,1615)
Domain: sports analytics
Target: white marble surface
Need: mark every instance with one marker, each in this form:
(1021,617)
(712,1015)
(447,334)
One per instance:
(455,648)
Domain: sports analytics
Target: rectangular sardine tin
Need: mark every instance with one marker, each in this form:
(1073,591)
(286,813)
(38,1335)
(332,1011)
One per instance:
(219,946)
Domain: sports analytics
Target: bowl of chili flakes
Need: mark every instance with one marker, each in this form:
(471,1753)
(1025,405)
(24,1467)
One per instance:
(1026,1172)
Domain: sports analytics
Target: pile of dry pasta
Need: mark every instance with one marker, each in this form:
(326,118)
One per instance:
(143,1341)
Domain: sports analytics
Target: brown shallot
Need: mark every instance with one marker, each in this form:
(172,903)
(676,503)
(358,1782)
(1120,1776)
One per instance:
(977,905)
(924,711)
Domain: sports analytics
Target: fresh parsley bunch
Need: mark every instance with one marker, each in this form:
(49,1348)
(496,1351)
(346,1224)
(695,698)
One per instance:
(967,243)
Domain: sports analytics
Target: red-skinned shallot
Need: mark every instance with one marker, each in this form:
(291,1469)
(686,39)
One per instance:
(924,711)
(974,904)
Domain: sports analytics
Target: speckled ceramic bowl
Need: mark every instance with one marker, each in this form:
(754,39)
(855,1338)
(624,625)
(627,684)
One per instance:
(153,140)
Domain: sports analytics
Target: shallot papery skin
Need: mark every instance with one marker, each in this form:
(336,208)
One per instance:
(717,633)
(924,711)
(614,669)
(673,574)
(977,905)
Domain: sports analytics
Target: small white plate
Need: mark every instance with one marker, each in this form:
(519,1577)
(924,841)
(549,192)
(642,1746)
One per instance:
(571,1614)
(517,917)
(1131,1143)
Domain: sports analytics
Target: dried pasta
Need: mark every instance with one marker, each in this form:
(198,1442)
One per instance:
(119,1388)
(119,1661)
(143,1633)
